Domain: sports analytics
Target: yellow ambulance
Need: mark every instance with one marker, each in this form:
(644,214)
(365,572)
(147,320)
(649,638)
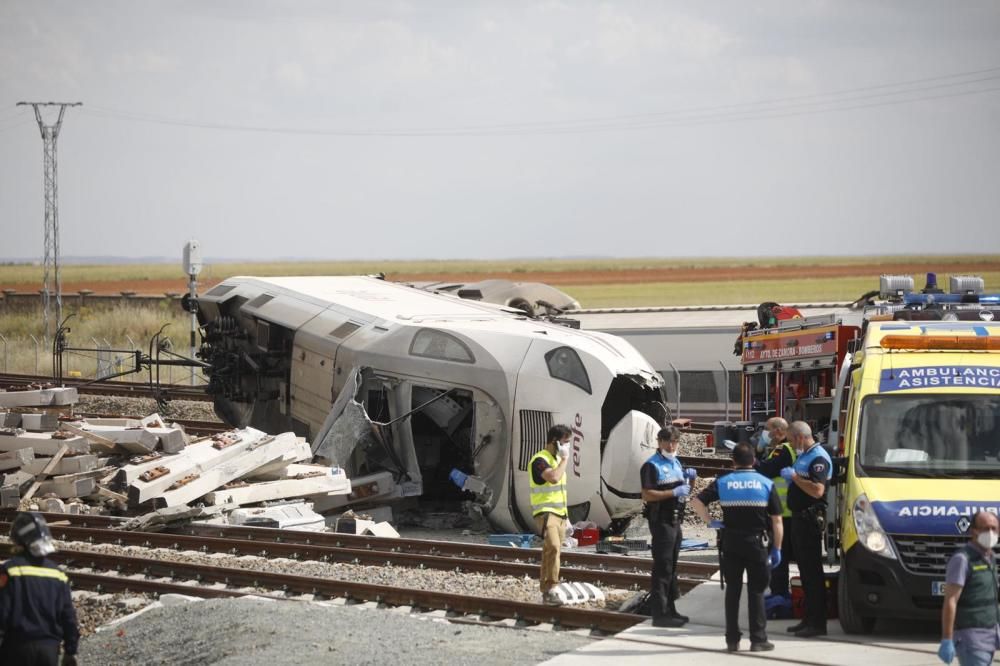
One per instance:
(917,420)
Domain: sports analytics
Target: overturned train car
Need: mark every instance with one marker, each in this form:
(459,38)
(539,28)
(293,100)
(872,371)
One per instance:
(386,378)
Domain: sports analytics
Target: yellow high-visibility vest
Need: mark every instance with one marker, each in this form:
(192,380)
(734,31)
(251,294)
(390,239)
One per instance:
(547,497)
(779,481)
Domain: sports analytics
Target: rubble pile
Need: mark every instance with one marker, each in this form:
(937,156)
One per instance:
(53,461)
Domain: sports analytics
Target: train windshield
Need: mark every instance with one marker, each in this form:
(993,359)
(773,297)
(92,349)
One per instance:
(936,435)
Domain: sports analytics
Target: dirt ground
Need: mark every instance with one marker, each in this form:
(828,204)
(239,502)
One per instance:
(570,277)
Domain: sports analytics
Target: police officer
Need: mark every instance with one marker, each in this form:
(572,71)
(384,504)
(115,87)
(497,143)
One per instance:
(807,480)
(778,454)
(548,504)
(36,608)
(664,487)
(750,510)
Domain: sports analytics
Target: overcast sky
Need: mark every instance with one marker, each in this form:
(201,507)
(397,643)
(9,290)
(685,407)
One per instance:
(364,130)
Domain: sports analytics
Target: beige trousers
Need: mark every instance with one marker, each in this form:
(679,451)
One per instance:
(553,531)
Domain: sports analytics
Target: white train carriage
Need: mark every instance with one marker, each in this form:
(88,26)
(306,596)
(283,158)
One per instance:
(387,378)
(692,348)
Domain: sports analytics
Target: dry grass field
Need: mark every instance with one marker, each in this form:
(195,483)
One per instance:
(594,282)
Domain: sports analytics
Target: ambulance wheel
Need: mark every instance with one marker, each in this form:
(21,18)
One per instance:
(851,621)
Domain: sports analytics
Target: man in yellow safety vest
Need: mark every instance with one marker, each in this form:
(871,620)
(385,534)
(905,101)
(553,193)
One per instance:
(778,454)
(547,474)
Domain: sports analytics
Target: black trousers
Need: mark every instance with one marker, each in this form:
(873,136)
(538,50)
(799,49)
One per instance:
(32,653)
(808,539)
(666,549)
(745,552)
(779,576)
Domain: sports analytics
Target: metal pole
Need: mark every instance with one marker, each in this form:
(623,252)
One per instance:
(677,375)
(35,340)
(193,292)
(4,352)
(725,372)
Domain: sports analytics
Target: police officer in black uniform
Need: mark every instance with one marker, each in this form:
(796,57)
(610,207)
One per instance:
(751,522)
(36,607)
(664,487)
(807,480)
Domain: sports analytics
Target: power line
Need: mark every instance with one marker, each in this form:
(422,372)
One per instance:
(780,107)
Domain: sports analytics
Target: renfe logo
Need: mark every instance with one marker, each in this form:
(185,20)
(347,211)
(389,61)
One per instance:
(577,442)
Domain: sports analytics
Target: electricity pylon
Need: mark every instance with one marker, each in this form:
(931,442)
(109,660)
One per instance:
(50,264)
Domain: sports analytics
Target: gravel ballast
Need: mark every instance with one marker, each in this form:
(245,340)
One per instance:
(251,631)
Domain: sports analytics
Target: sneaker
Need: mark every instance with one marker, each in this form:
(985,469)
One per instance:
(683,618)
(811,632)
(763,646)
(668,621)
(732,647)
(796,627)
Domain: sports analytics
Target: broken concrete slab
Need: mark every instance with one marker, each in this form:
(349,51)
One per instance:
(39,422)
(42,443)
(67,489)
(20,479)
(290,515)
(276,472)
(68,465)
(334,481)
(183,467)
(48,397)
(10,420)
(16,459)
(94,439)
(141,439)
(214,473)
(381,530)
(10,497)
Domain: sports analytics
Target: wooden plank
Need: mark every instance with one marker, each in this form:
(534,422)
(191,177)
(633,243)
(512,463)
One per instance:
(92,437)
(110,494)
(45,472)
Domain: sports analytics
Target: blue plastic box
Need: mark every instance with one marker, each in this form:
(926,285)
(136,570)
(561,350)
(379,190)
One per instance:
(514,540)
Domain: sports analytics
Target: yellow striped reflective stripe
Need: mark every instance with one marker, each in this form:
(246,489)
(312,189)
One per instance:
(541,490)
(40,572)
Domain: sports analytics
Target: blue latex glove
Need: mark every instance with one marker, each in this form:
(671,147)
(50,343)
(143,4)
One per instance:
(691,473)
(787,473)
(946,652)
(682,491)
(774,559)
(715,525)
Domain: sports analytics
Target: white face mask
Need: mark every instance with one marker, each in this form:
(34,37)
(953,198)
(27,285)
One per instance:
(668,456)
(987,539)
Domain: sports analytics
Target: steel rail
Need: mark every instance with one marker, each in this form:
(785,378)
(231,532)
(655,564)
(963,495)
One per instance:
(107,387)
(454,549)
(604,621)
(298,551)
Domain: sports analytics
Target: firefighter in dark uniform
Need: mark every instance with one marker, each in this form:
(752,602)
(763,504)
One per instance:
(36,607)
(807,480)
(777,455)
(664,487)
(751,522)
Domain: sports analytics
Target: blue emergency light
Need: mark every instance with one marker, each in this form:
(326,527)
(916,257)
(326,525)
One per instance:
(951,299)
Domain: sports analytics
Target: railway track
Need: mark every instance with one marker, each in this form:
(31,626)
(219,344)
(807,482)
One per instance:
(108,387)
(120,573)
(158,574)
(707,466)
(601,570)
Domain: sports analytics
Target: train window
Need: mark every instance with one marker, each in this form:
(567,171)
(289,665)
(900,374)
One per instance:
(221,289)
(442,346)
(565,364)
